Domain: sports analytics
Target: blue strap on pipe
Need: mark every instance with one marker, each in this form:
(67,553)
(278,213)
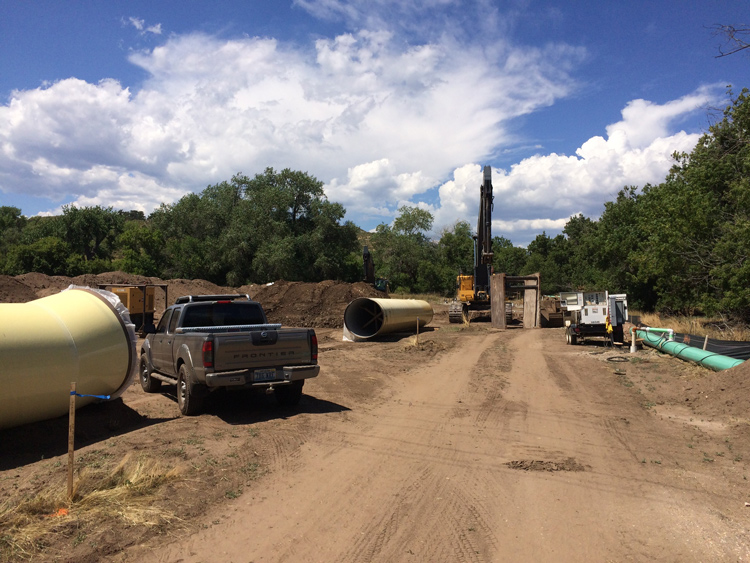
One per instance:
(105,397)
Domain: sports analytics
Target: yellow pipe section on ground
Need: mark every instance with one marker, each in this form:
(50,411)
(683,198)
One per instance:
(78,335)
(366,317)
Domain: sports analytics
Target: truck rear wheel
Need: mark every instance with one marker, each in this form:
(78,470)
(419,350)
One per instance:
(190,404)
(149,384)
(289,395)
(571,337)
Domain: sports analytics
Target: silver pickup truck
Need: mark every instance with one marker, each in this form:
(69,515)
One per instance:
(204,342)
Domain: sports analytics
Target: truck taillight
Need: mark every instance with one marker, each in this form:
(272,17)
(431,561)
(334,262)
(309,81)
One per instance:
(208,354)
(314,346)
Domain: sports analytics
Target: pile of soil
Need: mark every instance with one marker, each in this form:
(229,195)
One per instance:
(301,304)
(721,393)
(316,305)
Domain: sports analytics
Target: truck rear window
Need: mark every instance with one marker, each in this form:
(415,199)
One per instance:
(222,314)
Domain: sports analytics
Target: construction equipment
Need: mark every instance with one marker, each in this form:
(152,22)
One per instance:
(132,296)
(368,265)
(594,313)
(473,291)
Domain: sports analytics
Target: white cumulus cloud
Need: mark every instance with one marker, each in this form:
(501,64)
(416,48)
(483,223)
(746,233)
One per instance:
(543,191)
(383,121)
(380,121)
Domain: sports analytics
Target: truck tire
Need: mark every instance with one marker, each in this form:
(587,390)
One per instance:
(570,337)
(289,395)
(190,404)
(149,384)
(618,335)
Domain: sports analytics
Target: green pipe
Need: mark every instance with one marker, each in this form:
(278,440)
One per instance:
(711,360)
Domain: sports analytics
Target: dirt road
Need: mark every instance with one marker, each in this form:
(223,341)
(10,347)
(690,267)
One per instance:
(472,445)
(496,446)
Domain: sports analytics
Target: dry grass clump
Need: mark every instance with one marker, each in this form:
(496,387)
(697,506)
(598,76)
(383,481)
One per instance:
(434,298)
(713,328)
(124,494)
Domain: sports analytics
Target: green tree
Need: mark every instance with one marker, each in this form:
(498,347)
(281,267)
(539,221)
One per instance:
(12,224)
(508,259)
(140,248)
(457,249)
(47,255)
(682,245)
(551,258)
(91,231)
(276,225)
(404,253)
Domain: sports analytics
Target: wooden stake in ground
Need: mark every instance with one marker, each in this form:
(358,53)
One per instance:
(417,332)
(71,437)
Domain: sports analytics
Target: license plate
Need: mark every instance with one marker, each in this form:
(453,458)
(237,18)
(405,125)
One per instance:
(264,375)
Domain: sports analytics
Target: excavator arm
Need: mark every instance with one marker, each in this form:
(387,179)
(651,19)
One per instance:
(473,292)
(483,250)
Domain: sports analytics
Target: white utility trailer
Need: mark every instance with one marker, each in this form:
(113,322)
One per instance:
(588,314)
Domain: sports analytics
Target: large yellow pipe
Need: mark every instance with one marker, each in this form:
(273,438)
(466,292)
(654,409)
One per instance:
(366,317)
(78,335)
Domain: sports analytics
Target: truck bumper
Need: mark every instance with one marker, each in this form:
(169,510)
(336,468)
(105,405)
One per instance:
(248,377)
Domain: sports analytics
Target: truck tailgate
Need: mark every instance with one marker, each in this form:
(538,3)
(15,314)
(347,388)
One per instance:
(237,351)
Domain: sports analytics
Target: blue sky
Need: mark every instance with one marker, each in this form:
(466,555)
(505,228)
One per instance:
(389,103)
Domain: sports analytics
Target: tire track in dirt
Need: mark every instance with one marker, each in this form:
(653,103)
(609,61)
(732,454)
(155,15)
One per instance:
(414,504)
(471,523)
(380,532)
(368,503)
(451,462)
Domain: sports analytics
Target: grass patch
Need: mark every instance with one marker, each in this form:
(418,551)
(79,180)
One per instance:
(718,328)
(251,470)
(434,298)
(624,380)
(124,495)
(234,493)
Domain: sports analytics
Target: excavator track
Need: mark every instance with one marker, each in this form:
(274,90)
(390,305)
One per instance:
(457,312)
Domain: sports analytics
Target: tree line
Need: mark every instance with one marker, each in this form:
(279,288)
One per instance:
(679,246)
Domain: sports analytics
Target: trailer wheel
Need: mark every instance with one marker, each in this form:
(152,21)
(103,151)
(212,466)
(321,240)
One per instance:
(289,395)
(190,404)
(149,384)
(570,337)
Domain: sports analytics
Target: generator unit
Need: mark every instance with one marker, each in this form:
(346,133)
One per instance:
(594,313)
(141,313)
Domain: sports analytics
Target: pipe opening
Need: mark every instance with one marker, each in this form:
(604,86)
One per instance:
(364,318)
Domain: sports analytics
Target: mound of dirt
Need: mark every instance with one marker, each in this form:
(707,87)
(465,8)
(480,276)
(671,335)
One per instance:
(13,290)
(315,305)
(721,392)
(308,304)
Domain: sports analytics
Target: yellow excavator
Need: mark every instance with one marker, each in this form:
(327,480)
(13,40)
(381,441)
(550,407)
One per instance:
(473,291)
(381,284)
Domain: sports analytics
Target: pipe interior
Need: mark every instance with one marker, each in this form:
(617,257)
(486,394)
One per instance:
(364,318)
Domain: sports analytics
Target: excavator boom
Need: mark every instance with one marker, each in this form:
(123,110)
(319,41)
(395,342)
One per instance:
(473,292)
